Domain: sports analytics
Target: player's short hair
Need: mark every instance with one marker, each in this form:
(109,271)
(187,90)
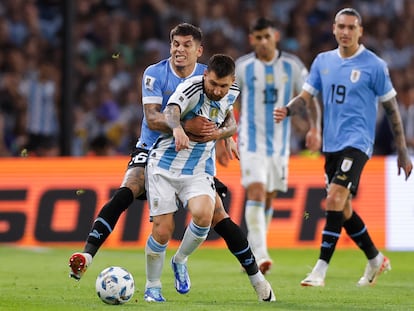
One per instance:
(186,29)
(350,12)
(262,23)
(222,64)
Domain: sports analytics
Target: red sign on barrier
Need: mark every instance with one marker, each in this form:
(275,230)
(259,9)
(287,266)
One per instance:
(53,201)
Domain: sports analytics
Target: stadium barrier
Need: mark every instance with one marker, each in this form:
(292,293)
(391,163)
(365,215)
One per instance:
(53,201)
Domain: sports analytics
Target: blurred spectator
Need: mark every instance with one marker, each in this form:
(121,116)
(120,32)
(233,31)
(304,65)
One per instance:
(407,115)
(101,146)
(114,40)
(42,95)
(13,115)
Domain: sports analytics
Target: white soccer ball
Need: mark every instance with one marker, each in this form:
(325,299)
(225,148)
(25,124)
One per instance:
(115,285)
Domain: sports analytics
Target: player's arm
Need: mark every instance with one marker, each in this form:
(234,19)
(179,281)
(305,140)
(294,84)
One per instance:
(172,115)
(394,117)
(304,104)
(226,147)
(155,118)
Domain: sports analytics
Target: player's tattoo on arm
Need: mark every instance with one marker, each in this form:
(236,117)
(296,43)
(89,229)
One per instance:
(297,106)
(393,115)
(155,118)
(229,126)
(314,113)
(172,116)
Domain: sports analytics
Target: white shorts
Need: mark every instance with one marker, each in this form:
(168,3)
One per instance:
(164,188)
(270,171)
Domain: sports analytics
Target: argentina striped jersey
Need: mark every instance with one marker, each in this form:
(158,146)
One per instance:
(200,157)
(265,86)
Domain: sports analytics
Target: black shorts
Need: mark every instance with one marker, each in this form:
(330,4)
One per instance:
(221,188)
(139,158)
(345,168)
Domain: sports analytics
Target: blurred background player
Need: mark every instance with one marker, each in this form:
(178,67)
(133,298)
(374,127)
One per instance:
(352,80)
(268,78)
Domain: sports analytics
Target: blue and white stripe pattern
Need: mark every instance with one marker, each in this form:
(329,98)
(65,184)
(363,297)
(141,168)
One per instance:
(265,86)
(200,157)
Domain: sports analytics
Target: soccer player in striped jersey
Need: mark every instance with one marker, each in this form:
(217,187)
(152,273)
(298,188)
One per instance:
(268,78)
(352,80)
(159,82)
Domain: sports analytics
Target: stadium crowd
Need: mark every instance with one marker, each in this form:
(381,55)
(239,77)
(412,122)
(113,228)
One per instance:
(114,40)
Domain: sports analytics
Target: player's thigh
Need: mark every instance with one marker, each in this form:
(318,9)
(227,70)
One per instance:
(161,191)
(277,174)
(198,185)
(134,177)
(253,168)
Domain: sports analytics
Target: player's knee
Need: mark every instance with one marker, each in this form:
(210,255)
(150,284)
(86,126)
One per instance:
(256,192)
(219,214)
(162,231)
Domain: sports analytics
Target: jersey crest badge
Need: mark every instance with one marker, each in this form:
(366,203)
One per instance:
(149,82)
(355,75)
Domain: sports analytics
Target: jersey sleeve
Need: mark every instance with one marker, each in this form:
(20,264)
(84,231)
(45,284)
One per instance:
(152,86)
(382,84)
(313,83)
(179,96)
(301,75)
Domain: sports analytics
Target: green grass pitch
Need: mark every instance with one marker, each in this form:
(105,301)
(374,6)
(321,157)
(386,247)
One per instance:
(37,279)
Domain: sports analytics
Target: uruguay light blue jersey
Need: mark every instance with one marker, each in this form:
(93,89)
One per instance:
(199,157)
(264,87)
(351,89)
(158,83)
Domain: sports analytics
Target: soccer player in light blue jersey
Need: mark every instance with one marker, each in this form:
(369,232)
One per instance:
(268,78)
(159,82)
(352,80)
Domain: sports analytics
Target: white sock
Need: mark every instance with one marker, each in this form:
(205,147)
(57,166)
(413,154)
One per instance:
(88,258)
(256,227)
(193,237)
(321,267)
(377,260)
(256,278)
(269,217)
(155,256)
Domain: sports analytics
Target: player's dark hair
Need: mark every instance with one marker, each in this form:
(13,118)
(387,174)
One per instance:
(186,29)
(262,23)
(350,12)
(223,65)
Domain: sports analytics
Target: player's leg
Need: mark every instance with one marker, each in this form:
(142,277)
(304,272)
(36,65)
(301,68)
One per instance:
(198,195)
(155,250)
(161,200)
(256,220)
(238,245)
(357,231)
(335,202)
(133,185)
(255,182)
(201,208)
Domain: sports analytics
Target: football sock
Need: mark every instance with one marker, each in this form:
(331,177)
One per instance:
(154,256)
(358,232)
(268,217)
(193,236)
(107,219)
(321,267)
(256,228)
(330,234)
(237,244)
